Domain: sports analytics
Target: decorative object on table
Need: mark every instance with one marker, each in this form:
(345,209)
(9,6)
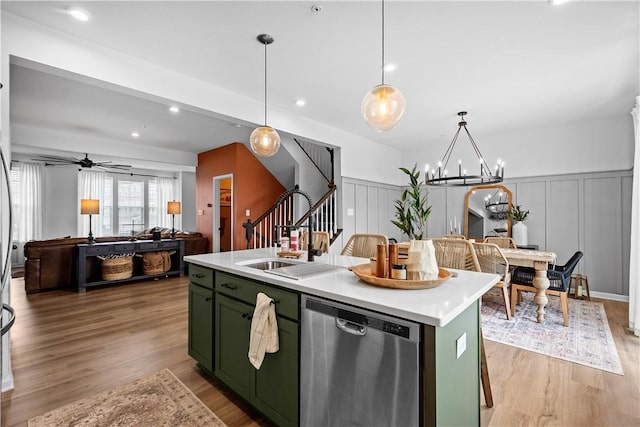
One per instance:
(156,235)
(363,272)
(117,266)
(399,271)
(559,278)
(90,207)
(264,140)
(383,106)
(422,264)
(441,176)
(587,340)
(412,211)
(174,208)
(156,399)
(381,263)
(519,229)
(132,237)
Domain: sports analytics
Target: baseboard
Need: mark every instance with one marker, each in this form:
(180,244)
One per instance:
(7,383)
(606,295)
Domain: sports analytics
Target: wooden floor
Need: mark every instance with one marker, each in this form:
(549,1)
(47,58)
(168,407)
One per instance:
(67,345)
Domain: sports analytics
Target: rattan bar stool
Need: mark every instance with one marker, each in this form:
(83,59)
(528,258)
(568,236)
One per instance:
(579,280)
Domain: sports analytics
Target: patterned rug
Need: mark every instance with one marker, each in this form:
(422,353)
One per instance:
(587,340)
(159,399)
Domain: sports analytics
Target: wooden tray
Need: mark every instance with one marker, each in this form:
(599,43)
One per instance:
(363,271)
(290,254)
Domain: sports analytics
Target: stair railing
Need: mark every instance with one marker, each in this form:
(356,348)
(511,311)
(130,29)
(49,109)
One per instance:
(261,232)
(324,214)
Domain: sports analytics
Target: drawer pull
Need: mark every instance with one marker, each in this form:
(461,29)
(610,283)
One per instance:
(207,299)
(247,316)
(228,286)
(275,301)
(198,275)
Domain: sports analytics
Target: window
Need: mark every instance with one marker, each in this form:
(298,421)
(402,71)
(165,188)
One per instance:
(133,203)
(14,178)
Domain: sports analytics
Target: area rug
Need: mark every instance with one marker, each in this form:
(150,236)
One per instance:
(587,340)
(159,399)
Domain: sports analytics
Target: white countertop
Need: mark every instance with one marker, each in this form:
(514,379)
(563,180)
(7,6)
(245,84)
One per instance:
(436,306)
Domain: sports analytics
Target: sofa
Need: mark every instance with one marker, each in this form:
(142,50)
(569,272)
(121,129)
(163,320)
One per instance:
(51,264)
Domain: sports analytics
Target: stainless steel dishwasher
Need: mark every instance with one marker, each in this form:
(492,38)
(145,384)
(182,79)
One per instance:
(357,368)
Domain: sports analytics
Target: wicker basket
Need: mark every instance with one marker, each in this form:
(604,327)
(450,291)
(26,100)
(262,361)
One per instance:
(117,268)
(156,262)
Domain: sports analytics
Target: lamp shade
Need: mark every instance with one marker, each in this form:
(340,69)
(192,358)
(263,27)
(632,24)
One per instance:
(383,107)
(265,141)
(174,208)
(89,206)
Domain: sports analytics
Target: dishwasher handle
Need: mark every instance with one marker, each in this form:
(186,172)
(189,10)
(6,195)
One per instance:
(350,327)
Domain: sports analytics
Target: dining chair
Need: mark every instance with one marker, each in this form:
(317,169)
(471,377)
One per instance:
(456,253)
(559,277)
(364,245)
(492,260)
(321,240)
(502,242)
(453,236)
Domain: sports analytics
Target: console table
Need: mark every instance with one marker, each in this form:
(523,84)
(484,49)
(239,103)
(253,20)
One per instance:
(89,268)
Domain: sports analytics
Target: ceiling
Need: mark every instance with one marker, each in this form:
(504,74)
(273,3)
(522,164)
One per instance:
(512,65)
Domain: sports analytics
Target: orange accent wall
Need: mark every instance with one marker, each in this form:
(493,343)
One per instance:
(254,188)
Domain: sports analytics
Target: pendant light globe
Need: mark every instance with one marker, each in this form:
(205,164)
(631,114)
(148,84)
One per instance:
(265,141)
(383,107)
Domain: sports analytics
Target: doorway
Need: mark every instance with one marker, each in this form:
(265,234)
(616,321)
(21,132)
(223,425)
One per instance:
(222,213)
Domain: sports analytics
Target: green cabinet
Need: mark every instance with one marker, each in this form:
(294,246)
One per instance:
(273,389)
(221,307)
(200,327)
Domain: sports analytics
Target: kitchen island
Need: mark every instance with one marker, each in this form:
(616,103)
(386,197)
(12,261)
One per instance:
(221,298)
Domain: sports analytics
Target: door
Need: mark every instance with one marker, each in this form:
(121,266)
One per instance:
(223,213)
(201,325)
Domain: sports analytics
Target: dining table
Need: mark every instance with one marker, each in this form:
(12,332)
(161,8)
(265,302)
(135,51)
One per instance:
(540,261)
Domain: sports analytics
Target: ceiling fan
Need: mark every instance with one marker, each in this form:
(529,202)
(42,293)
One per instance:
(85,163)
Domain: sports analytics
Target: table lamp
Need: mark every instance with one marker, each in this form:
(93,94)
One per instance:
(90,207)
(174,208)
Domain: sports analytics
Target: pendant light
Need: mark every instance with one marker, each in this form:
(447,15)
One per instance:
(383,106)
(441,177)
(264,140)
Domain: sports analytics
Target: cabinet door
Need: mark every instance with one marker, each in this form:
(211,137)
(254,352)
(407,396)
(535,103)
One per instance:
(233,326)
(201,325)
(276,382)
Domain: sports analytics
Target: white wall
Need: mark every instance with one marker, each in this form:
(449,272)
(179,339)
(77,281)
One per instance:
(61,202)
(361,158)
(188,201)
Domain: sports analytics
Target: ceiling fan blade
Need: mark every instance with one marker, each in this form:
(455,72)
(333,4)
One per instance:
(56,158)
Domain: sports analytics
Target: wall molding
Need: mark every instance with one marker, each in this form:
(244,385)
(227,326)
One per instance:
(609,296)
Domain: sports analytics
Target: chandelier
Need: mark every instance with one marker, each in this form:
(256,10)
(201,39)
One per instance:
(441,176)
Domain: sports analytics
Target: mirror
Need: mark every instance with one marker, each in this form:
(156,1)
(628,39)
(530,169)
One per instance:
(486,212)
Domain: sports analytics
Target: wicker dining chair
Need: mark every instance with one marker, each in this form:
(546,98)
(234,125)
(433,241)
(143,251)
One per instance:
(321,240)
(501,242)
(364,245)
(492,260)
(454,236)
(456,253)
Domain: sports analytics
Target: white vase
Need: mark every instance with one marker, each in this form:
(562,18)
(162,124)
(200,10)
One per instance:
(519,233)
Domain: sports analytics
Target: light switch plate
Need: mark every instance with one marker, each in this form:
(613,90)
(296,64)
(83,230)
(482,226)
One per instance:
(247,212)
(461,345)
(350,212)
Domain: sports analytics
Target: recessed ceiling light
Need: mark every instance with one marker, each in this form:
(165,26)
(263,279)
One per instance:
(79,14)
(390,67)
(174,109)
(135,134)
(301,102)
(559,2)
(236,125)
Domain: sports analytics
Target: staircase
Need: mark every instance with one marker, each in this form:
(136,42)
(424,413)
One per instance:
(263,232)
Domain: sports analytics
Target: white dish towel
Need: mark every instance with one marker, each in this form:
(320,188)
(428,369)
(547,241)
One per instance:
(264,330)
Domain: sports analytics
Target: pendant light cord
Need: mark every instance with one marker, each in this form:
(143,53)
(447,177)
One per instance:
(382,41)
(265,84)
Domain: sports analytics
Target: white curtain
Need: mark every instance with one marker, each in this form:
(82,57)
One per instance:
(634,265)
(31,201)
(167,191)
(90,186)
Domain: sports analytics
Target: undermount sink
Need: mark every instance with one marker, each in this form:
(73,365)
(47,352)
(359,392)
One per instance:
(270,265)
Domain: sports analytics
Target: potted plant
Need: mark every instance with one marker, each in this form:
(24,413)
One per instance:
(412,211)
(519,229)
